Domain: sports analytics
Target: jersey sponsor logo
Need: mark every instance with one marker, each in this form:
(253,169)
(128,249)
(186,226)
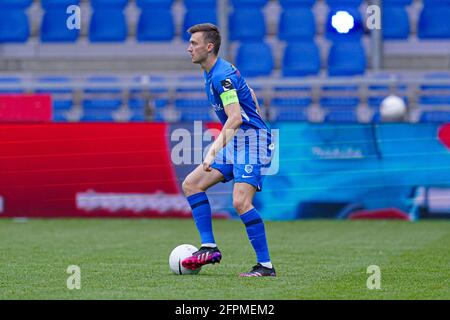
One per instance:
(227,85)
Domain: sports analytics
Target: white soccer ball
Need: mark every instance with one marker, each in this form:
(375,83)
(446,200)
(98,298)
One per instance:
(177,255)
(393,108)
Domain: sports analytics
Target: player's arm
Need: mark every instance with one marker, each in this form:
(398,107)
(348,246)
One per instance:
(233,111)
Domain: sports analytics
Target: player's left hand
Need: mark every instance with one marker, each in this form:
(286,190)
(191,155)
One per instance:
(209,159)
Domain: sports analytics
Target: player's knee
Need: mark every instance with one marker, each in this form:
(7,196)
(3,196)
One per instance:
(241,204)
(188,187)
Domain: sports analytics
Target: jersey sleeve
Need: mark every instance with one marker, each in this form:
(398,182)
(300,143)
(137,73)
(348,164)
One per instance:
(226,87)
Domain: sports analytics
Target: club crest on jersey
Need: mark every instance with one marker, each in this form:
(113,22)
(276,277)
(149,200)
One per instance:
(248,168)
(227,85)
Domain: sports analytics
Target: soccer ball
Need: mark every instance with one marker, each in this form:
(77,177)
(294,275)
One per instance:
(393,108)
(177,255)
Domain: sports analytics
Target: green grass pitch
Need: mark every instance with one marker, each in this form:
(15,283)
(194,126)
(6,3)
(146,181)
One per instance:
(128,259)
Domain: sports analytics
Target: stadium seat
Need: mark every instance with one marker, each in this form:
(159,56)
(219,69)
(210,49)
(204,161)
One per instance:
(196,16)
(53,27)
(291,97)
(108,25)
(339,96)
(197,114)
(291,30)
(249,3)
(109,4)
(247,24)
(346,3)
(288,4)
(395,22)
(155,4)
(200,4)
(301,59)
(434,22)
(102,98)
(435,116)
(288,113)
(435,94)
(340,26)
(15,4)
(346,59)
(435,2)
(137,115)
(255,59)
(97,115)
(14,25)
(341,115)
(62,98)
(155,25)
(11,81)
(54,4)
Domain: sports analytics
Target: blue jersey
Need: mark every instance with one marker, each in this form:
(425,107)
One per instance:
(223,78)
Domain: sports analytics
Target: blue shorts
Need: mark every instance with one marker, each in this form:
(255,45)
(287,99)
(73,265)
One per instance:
(245,162)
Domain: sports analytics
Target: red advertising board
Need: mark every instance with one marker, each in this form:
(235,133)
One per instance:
(25,108)
(88,170)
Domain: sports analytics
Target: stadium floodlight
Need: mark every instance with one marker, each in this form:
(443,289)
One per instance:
(342,21)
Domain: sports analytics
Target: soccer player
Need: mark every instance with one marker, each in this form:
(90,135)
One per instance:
(229,157)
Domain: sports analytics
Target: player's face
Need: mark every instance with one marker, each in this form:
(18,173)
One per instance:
(198,48)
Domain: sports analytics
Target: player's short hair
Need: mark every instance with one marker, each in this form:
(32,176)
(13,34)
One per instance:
(211,34)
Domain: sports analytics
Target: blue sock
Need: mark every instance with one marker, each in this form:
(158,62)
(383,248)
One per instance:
(201,212)
(256,234)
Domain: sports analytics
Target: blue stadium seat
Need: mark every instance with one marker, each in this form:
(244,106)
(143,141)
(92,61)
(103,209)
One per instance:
(249,3)
(11,81)
(288,4)
(435,94)
(155,25)
(255,59)
(62,98)
(53,27)
(288,113)
(350,28)
(435,116)
(347,115)
(291,97)
(187,98)
(14,25)
(247,24)
(340,96)
(137,115)
(159,97)
(291,30)
(155,4)
(54,4)
(97,115)
(108,25)
(102,98)
(395,22)
(109,4)
(15,4)
(301,59)
(196,16)
(346,59)
(436,2)
(434,22)
(346,3)
(197,114)
(200,4)
(397,2)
